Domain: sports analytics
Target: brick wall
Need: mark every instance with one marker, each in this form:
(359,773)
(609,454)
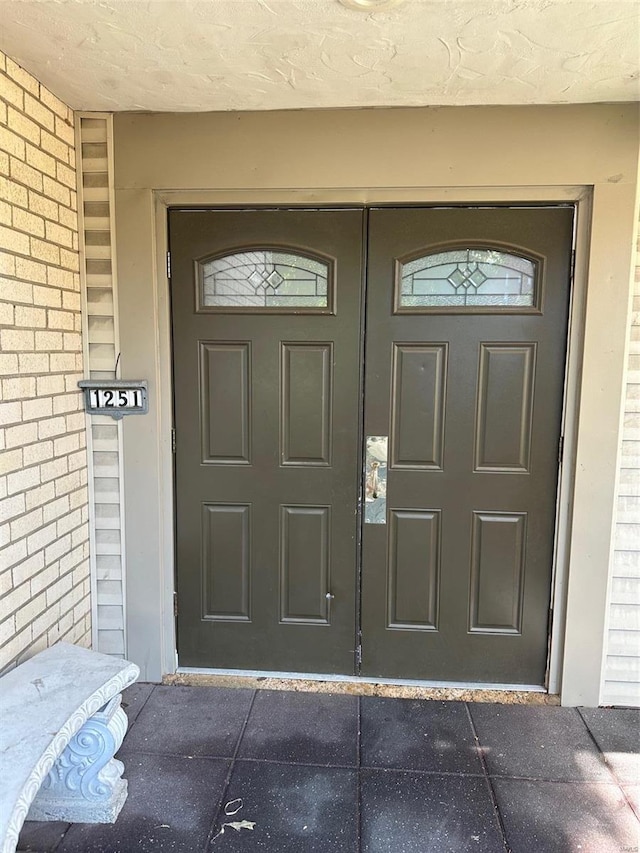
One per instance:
(44,550)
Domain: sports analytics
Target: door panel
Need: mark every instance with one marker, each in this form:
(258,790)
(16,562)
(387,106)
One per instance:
(464,369)
(266,335)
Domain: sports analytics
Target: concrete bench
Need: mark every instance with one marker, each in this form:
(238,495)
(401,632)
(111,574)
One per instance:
(60,725)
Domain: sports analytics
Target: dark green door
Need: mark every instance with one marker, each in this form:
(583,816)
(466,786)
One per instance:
(266,312)
(466,317)
(465,354)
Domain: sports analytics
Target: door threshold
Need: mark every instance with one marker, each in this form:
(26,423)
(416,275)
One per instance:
(507,694)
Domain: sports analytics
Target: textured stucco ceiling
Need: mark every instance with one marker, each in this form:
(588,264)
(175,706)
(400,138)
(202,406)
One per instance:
(287,54)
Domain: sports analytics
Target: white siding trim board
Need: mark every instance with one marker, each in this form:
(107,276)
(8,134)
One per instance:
(104,435)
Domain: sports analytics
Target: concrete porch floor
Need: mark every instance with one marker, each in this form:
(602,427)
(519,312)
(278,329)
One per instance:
(327,773)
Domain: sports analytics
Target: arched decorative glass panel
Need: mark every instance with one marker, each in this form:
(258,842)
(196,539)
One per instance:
(265,279)
(469,278)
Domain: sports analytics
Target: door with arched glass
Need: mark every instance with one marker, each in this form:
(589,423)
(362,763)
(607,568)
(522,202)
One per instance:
(368,412)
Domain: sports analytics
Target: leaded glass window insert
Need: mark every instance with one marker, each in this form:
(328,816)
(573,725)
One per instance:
(469,278)
(265,279)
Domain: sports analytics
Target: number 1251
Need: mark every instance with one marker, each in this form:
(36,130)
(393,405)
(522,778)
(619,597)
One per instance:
(117,398)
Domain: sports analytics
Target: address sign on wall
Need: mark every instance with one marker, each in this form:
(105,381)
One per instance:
(115,397)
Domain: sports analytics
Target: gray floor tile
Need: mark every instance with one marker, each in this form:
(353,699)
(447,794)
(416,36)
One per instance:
(557,817)
(295,808)
(41,836)
(537,742)
(189,721)
(306,728)
(417,813)
(617,733)
(171,805)
(415,734)
(134,697)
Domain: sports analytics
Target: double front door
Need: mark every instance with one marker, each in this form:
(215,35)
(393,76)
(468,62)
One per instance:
(367,411)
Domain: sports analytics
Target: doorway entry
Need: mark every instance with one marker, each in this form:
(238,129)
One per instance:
(368,412)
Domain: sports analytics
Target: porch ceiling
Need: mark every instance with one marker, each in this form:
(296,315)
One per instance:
(201,55)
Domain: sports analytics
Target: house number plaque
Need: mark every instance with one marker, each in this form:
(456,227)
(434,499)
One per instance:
(115,397)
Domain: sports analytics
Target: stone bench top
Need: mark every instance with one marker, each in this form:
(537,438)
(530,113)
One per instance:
(43,703)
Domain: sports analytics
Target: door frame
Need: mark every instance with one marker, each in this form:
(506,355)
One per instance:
(582,197)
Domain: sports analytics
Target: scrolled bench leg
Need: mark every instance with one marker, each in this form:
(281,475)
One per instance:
(85,785)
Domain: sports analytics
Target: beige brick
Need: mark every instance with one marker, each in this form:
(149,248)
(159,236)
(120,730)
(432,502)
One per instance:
(54,189)
(3,488)
(31,271)
(12,554)
(33,318)
(44,578)
(54,146)
(28,613)
(65,175)
(18,291)
(3,113)
(10,92)
(20,481)
(65,131)
(42,161)
(12,507)
(70,521)
(66,403)
(71,301)
(73,200)
(51,427)
(39,112)
(26,524)
(57,549)
(41,538)
(48,296)
(67,484)
(69,260)
(7,264)
(35,453)
(17,598)
(68,217)
(52,470)
(59,589)
(59,234)
(23,126)
(72,341)
(6,216)
(25,221)
(10,413)
(44,206)
(6,312)
(50,617)
(17,340)
(4,163)
(71,560)
(22,77)
(34,362)
(78,460)
(48,341)
(12,143)
(75,422)
(12,192)
(55,104)
(45,251)
(13,241)
(11,461)
(41,407)
(63,362)
(17,436)
(25,174)
(52,384)
(5,577)
(18,388)
(64,279)
(8,364)
(54,510)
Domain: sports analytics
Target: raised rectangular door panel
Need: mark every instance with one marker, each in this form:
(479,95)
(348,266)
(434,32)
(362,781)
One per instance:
(413,569)
(225,394)
(418,404)
(305,533)
(504,407)
(306,387)
(226,562)
(497,572)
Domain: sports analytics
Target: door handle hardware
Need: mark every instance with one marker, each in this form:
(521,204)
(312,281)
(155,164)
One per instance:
(375,479)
